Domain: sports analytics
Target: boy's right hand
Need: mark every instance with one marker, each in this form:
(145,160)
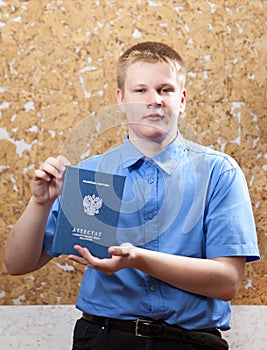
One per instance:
(48,180)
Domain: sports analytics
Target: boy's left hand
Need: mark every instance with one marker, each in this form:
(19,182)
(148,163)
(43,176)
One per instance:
(121,257)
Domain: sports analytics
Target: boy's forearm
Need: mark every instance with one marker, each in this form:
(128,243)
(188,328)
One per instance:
(24,245)
(216,278)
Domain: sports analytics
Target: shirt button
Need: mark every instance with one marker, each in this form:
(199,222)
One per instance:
(150,216)
(151,180)
(152,288)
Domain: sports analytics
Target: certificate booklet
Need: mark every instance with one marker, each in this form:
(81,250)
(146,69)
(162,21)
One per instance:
(89,210)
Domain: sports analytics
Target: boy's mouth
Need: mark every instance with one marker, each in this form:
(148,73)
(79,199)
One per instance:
(154,117)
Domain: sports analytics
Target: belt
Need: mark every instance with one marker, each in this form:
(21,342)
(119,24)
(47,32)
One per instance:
(159,329)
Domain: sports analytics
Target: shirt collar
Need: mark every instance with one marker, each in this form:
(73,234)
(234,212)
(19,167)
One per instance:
(167,159)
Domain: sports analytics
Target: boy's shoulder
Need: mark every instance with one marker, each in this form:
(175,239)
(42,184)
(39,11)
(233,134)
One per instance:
(198,151)
(94,161)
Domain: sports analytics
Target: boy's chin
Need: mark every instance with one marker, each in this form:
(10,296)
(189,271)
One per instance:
(152,134)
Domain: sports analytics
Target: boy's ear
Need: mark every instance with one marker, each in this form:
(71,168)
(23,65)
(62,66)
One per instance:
(120,100)
(119,96)
(183,101)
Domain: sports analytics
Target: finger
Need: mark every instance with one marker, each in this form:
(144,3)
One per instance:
(118,251)
(84,252)
(122,250)
(51,170)
(79,249)
(127,245)
(41,175)
(63,160)
(53,166)
(78,259)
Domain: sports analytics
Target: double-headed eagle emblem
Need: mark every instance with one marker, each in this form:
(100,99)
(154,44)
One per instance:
(92,204)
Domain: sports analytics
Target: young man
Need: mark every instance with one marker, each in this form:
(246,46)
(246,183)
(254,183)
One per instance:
(186,216)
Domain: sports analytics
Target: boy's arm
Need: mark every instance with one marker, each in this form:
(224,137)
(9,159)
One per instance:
(24,246)
(23,252)
(218,278)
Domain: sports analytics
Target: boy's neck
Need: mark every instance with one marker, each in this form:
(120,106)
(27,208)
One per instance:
(150,148)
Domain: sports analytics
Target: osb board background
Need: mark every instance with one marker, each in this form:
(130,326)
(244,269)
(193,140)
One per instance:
(57,69)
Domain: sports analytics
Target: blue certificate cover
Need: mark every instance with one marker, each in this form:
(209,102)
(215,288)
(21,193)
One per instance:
(89,210)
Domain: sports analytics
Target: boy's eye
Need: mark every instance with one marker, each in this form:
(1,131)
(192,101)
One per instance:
(165,90)
(139,90)
(162,90)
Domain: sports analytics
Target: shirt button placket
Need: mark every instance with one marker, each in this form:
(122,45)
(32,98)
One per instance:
(150,216)
(152,288)
(150,180)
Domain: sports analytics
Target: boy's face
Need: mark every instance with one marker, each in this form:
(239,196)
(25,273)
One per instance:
(153,100)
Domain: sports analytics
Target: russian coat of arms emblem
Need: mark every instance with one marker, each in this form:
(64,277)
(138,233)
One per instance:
(92,204)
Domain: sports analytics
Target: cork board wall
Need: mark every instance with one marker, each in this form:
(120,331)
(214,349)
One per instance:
(57,69)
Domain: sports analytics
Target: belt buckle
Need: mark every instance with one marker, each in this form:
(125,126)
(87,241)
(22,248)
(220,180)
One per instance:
(142,322)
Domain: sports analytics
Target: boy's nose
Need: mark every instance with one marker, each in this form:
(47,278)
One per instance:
(154,99)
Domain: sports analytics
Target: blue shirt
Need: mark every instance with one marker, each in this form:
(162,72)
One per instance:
(188,200)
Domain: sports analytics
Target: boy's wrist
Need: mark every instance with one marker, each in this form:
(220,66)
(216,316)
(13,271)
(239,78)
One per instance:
(41,204)
(136,257)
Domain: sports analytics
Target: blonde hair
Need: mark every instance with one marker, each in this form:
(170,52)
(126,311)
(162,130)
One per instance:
(150,52)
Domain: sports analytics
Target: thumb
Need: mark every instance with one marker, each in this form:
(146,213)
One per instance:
(63,160)
(122,250)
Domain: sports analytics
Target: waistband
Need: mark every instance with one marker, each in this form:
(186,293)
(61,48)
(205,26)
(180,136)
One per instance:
(210,337)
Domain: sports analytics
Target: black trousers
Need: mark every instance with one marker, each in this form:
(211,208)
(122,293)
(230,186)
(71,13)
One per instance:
(88,336)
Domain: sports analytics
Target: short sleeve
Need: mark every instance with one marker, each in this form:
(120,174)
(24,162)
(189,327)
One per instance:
(229,223)
(50,229)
